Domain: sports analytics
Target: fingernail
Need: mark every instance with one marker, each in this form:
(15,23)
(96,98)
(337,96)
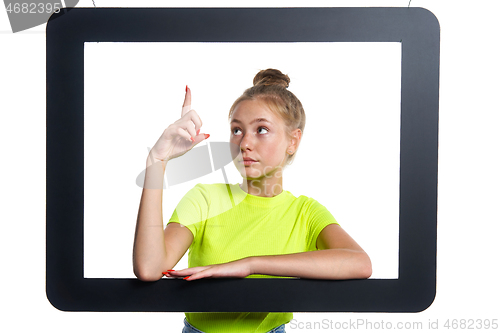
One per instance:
(192,139)
(207,136)
(186,88)
(164,273)
(187,277)
(197,132)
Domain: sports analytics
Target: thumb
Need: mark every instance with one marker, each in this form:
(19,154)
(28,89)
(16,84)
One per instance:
(200,137)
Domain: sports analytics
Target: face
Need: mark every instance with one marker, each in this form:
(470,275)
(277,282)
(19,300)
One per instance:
(261,138)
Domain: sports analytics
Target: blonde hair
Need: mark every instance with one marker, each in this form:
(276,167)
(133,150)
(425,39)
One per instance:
(270,86)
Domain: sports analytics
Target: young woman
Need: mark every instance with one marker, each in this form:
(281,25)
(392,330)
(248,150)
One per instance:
(252,229)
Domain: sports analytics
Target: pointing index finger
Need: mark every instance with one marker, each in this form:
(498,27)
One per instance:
(187,102)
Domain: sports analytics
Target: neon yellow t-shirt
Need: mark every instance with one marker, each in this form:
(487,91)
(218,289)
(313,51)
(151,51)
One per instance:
(229,224)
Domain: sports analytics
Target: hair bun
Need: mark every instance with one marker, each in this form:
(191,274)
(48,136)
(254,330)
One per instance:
(271,76)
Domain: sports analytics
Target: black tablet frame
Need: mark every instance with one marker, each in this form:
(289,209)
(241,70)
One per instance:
(418,32)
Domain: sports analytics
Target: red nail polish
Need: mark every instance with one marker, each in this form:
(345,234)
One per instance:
(207,136)
(164,273)
(187,277)
(186,88)
(170,270)
(192,139)
(197,132)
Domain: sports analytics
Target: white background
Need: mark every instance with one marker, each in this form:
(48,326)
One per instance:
(468,219)
(348,158)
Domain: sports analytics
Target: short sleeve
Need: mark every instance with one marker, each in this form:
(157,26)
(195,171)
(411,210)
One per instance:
(192,209)
(318,217)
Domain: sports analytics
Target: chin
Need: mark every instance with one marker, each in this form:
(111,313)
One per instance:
(249,177)
(250,174)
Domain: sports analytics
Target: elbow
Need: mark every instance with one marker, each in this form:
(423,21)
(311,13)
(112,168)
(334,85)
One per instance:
(365,269)
(366,272)
(147,276)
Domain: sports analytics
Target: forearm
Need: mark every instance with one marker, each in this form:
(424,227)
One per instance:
(331,264)
(150,254)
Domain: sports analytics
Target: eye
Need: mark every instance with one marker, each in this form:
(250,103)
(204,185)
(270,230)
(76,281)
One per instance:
(236,131)
(260,129)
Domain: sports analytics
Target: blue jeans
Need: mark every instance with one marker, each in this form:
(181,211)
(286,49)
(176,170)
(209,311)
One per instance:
(188,328)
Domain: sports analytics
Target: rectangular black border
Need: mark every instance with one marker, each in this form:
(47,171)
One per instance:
(418,31)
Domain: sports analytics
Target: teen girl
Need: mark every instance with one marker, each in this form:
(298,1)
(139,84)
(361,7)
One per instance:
(253,228)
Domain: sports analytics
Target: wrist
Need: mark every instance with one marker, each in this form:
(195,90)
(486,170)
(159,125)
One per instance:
(154,161)
(154,174)
(253,264)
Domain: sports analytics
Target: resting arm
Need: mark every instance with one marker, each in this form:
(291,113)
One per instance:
(339,257)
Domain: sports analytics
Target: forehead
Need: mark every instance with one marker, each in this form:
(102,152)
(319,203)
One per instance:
(251,110)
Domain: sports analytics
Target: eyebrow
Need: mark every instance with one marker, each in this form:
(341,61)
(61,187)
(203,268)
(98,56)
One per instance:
(256,120)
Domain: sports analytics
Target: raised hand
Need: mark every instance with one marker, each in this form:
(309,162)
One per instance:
(181,136)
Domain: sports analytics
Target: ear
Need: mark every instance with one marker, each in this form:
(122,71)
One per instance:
(295,141)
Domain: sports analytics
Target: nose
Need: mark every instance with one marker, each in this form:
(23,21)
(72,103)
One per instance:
(246,142)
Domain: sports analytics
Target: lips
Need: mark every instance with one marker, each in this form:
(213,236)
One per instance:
(248,161)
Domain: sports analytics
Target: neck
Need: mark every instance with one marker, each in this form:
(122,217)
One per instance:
(265,187)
